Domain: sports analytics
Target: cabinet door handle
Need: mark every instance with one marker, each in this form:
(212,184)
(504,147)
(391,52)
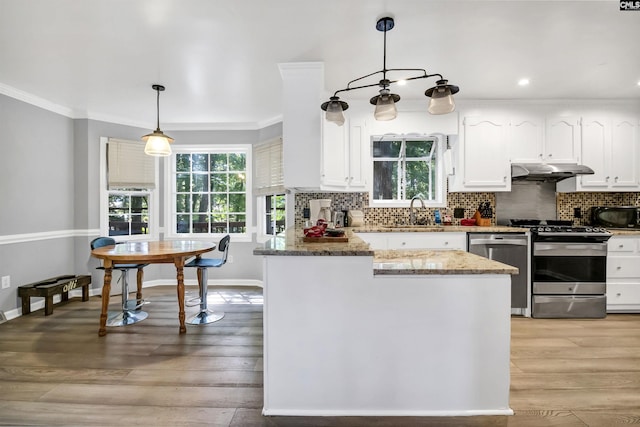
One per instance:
(618,294)
(446,243)
(615,179)
(619,267)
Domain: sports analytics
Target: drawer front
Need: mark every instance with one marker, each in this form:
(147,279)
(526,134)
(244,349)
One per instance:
(618,266)
(621,244)
(550,307)
(623,293)
(419,240)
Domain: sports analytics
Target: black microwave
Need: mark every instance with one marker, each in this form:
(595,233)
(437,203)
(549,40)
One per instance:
(616,216)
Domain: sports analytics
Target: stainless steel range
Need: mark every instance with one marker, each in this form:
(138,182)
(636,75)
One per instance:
(568,270)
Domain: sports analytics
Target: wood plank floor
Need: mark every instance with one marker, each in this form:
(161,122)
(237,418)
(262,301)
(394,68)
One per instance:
(55,370)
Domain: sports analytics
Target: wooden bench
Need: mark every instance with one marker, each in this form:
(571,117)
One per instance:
(50,287)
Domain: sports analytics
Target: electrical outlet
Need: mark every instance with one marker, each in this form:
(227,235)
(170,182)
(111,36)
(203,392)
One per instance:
(577,213)
(6,282)
(230,259)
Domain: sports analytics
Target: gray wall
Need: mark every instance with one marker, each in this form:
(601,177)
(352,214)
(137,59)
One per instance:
(37,179)
(49,184)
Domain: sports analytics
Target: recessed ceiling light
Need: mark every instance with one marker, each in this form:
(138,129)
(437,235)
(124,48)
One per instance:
(523,82)
(639,83)
(404,82)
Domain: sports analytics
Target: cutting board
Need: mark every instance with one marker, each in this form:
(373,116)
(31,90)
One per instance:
(325,239)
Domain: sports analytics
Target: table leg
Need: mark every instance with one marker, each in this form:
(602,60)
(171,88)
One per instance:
(181,316)
(106,290)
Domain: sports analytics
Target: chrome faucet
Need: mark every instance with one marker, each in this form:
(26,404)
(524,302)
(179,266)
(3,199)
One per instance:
(412,214)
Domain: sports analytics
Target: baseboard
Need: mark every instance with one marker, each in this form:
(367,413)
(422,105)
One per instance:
(384,413)
(39,302)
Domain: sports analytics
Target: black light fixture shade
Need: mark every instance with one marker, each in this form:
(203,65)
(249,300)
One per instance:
(441,95)
(157,143)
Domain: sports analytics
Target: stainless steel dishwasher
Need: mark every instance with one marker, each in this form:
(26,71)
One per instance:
(507,248)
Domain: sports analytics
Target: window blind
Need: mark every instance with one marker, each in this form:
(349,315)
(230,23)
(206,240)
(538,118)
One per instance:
(269,170)
(128,166)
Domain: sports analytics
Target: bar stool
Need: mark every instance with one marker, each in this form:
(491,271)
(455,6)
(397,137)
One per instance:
(131,312)
(202,264)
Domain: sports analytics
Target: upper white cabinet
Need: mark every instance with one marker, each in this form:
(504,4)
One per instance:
(609,146)
(485,165)
(534,139)
(525,140)
(561,140)
(343,156)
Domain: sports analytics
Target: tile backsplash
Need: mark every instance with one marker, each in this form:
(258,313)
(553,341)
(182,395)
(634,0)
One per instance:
(567,202)
(392,216)
(565,206)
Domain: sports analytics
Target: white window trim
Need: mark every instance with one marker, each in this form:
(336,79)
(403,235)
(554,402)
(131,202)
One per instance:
(170,189)
(154,208)
(441,193)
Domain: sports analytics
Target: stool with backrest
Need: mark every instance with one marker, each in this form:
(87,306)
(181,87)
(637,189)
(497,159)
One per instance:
(131,312)
(202,264)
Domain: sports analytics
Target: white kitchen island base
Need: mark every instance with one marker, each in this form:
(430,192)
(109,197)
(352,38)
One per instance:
(341,341)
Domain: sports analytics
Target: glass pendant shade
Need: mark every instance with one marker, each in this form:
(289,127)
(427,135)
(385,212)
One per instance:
(334,113)
(385,108)
(157,144)
(441,101)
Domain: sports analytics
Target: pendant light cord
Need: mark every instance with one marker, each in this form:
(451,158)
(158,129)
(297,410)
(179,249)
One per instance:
(158,110)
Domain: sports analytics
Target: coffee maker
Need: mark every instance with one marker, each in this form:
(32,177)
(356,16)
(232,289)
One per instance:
(320,209)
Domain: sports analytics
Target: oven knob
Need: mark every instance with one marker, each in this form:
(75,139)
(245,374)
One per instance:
(547,229)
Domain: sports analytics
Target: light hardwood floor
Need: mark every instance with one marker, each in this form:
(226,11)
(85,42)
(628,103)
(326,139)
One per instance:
(55,370)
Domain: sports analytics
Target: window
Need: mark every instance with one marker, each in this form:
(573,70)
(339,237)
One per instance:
(404,167)
(275,214)
(128,191)
(269,187)
(128,212)
(209,191)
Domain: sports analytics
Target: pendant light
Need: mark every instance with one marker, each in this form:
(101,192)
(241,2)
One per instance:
(157,143)
(385,103)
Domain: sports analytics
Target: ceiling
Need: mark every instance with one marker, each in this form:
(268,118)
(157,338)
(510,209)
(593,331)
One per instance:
(219,58)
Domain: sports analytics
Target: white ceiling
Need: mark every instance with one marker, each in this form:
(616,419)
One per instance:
(218,58)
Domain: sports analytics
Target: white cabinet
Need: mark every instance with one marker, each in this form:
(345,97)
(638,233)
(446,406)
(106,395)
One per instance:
(525,141)
(343,156)
(376,241)
(609,147)
(623,274)
(416,240)
(485,165)
(562,140)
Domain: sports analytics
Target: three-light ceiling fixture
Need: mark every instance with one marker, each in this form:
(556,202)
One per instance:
(441,94)
(157,143)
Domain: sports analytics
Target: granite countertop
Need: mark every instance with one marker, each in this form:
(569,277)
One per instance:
(437,228)
(291,244)
(391,262)
(386,261)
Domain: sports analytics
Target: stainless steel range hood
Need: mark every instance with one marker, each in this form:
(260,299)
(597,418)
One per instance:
(548,172)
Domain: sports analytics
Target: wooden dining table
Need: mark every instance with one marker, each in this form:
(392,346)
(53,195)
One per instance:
(153,252)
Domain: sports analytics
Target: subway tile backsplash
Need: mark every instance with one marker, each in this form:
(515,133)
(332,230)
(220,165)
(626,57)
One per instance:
(565,206)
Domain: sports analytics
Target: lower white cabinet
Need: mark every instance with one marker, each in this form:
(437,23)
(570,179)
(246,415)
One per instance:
(416,240)
(623,274)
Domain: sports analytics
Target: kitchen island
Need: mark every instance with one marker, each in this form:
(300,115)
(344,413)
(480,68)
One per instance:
(351,331)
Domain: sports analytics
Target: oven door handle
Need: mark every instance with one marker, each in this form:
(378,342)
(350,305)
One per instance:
(570,249)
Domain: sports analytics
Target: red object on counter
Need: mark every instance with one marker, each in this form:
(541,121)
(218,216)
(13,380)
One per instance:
(468,221)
